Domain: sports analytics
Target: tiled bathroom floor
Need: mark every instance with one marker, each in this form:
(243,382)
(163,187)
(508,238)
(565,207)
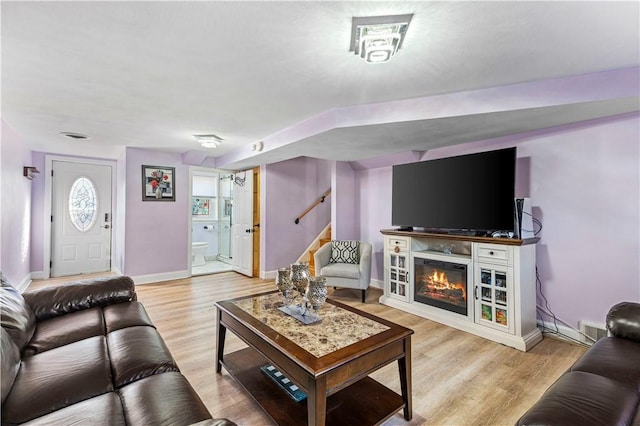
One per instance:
(211,267)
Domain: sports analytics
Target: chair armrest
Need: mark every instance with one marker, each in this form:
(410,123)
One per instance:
(623,320)
(53,301)
(365,263)
(322,257)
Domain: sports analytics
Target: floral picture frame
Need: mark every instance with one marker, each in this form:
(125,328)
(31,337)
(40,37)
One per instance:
(158,183)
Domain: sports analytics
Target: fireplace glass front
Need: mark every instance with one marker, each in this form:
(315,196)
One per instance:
(441,284)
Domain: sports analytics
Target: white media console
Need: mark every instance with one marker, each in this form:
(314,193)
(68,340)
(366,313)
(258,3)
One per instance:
(481,285)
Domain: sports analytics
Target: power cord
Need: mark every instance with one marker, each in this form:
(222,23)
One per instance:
(547,311)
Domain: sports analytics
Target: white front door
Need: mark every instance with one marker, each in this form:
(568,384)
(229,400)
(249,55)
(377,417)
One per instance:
(242,223)
(81,218)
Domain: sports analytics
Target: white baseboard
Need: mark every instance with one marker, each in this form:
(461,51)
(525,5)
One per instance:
(38,275)
(268,275)
(167,276)
(377,284)
(24,284)
(562,329)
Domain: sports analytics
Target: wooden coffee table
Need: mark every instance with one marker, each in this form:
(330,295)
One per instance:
(330,361)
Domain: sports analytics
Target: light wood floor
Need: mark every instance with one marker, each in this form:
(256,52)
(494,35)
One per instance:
(458,378)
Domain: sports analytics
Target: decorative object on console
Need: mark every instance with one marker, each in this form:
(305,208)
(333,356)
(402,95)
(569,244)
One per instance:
(30,172)
(158,183)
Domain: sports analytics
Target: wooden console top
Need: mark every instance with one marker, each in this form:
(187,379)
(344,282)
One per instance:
(491,240)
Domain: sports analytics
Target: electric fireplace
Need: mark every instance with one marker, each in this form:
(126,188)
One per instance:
(441,284)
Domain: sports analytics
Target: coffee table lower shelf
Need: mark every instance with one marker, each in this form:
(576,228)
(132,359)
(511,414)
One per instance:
(366,402)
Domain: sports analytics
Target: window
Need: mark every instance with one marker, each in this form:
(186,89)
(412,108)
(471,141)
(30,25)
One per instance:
(83,204)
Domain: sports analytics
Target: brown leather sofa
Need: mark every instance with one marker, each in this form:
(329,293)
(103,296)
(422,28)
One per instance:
(87,353)
(603,386)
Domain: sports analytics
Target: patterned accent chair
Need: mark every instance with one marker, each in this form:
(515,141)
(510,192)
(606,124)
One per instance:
(345,264)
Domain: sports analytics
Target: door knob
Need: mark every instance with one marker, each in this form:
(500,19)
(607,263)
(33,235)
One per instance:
(106,226)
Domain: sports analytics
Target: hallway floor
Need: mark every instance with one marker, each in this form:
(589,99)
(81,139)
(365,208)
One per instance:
(211,267)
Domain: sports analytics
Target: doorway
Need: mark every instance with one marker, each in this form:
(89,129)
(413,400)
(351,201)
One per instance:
(211,215)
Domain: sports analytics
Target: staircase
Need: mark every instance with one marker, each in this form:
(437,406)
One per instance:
(322,239)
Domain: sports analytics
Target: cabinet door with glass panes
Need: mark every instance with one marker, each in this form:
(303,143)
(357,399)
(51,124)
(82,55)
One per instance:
(398,280)
(397,267)
(494,297)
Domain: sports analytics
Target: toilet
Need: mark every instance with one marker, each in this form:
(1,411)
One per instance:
(198,250)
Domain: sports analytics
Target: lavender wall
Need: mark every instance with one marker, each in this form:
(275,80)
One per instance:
(584,183)
(156,232)
(15,208)
(344,212)
(37,217)
(289,188)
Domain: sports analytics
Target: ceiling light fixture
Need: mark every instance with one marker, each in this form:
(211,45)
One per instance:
(377,38)
(209,141)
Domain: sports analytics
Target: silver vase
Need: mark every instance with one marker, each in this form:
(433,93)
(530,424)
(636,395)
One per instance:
(317,292)
(300,277)
(283,282)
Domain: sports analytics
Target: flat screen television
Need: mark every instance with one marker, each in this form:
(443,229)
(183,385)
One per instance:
(471,193)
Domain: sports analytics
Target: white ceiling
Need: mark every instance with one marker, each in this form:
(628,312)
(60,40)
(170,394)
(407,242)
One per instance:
(152,74)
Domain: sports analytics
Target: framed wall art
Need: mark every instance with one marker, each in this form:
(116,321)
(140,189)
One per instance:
(158,183)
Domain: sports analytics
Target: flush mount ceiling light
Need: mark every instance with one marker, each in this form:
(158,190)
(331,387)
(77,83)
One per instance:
(209,141)
(78,136)
(377,38)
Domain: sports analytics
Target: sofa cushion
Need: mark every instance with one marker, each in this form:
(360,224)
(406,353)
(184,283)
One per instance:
(584,399)
(167,399)
(16,316)
(341,270)
(65,329)
(10,358)
(57,378)
(122,315)
(345,252)
(104,409)
(136,353)
(617,359)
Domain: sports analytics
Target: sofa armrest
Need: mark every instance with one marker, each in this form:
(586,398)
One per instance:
(53,301)
(623,320)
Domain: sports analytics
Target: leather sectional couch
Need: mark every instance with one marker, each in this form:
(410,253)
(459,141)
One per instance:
(603,386)
(87,353)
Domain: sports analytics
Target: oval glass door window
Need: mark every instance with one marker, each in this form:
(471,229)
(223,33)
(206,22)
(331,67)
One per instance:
(83,204)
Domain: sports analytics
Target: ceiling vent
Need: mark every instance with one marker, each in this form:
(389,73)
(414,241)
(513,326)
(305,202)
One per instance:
(74,135)
(377,38)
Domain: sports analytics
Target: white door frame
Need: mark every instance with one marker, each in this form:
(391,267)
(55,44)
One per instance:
(46,246)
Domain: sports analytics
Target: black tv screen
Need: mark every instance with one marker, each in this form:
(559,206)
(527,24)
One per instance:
(467,192)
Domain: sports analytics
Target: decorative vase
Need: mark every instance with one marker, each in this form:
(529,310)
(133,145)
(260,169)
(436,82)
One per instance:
(317,292)
(300,276)
(158,192)
(283,282)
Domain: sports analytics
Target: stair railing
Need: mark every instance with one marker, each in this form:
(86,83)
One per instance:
(312,206)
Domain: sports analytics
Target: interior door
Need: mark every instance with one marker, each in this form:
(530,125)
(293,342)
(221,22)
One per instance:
(242,223)
(81,218)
